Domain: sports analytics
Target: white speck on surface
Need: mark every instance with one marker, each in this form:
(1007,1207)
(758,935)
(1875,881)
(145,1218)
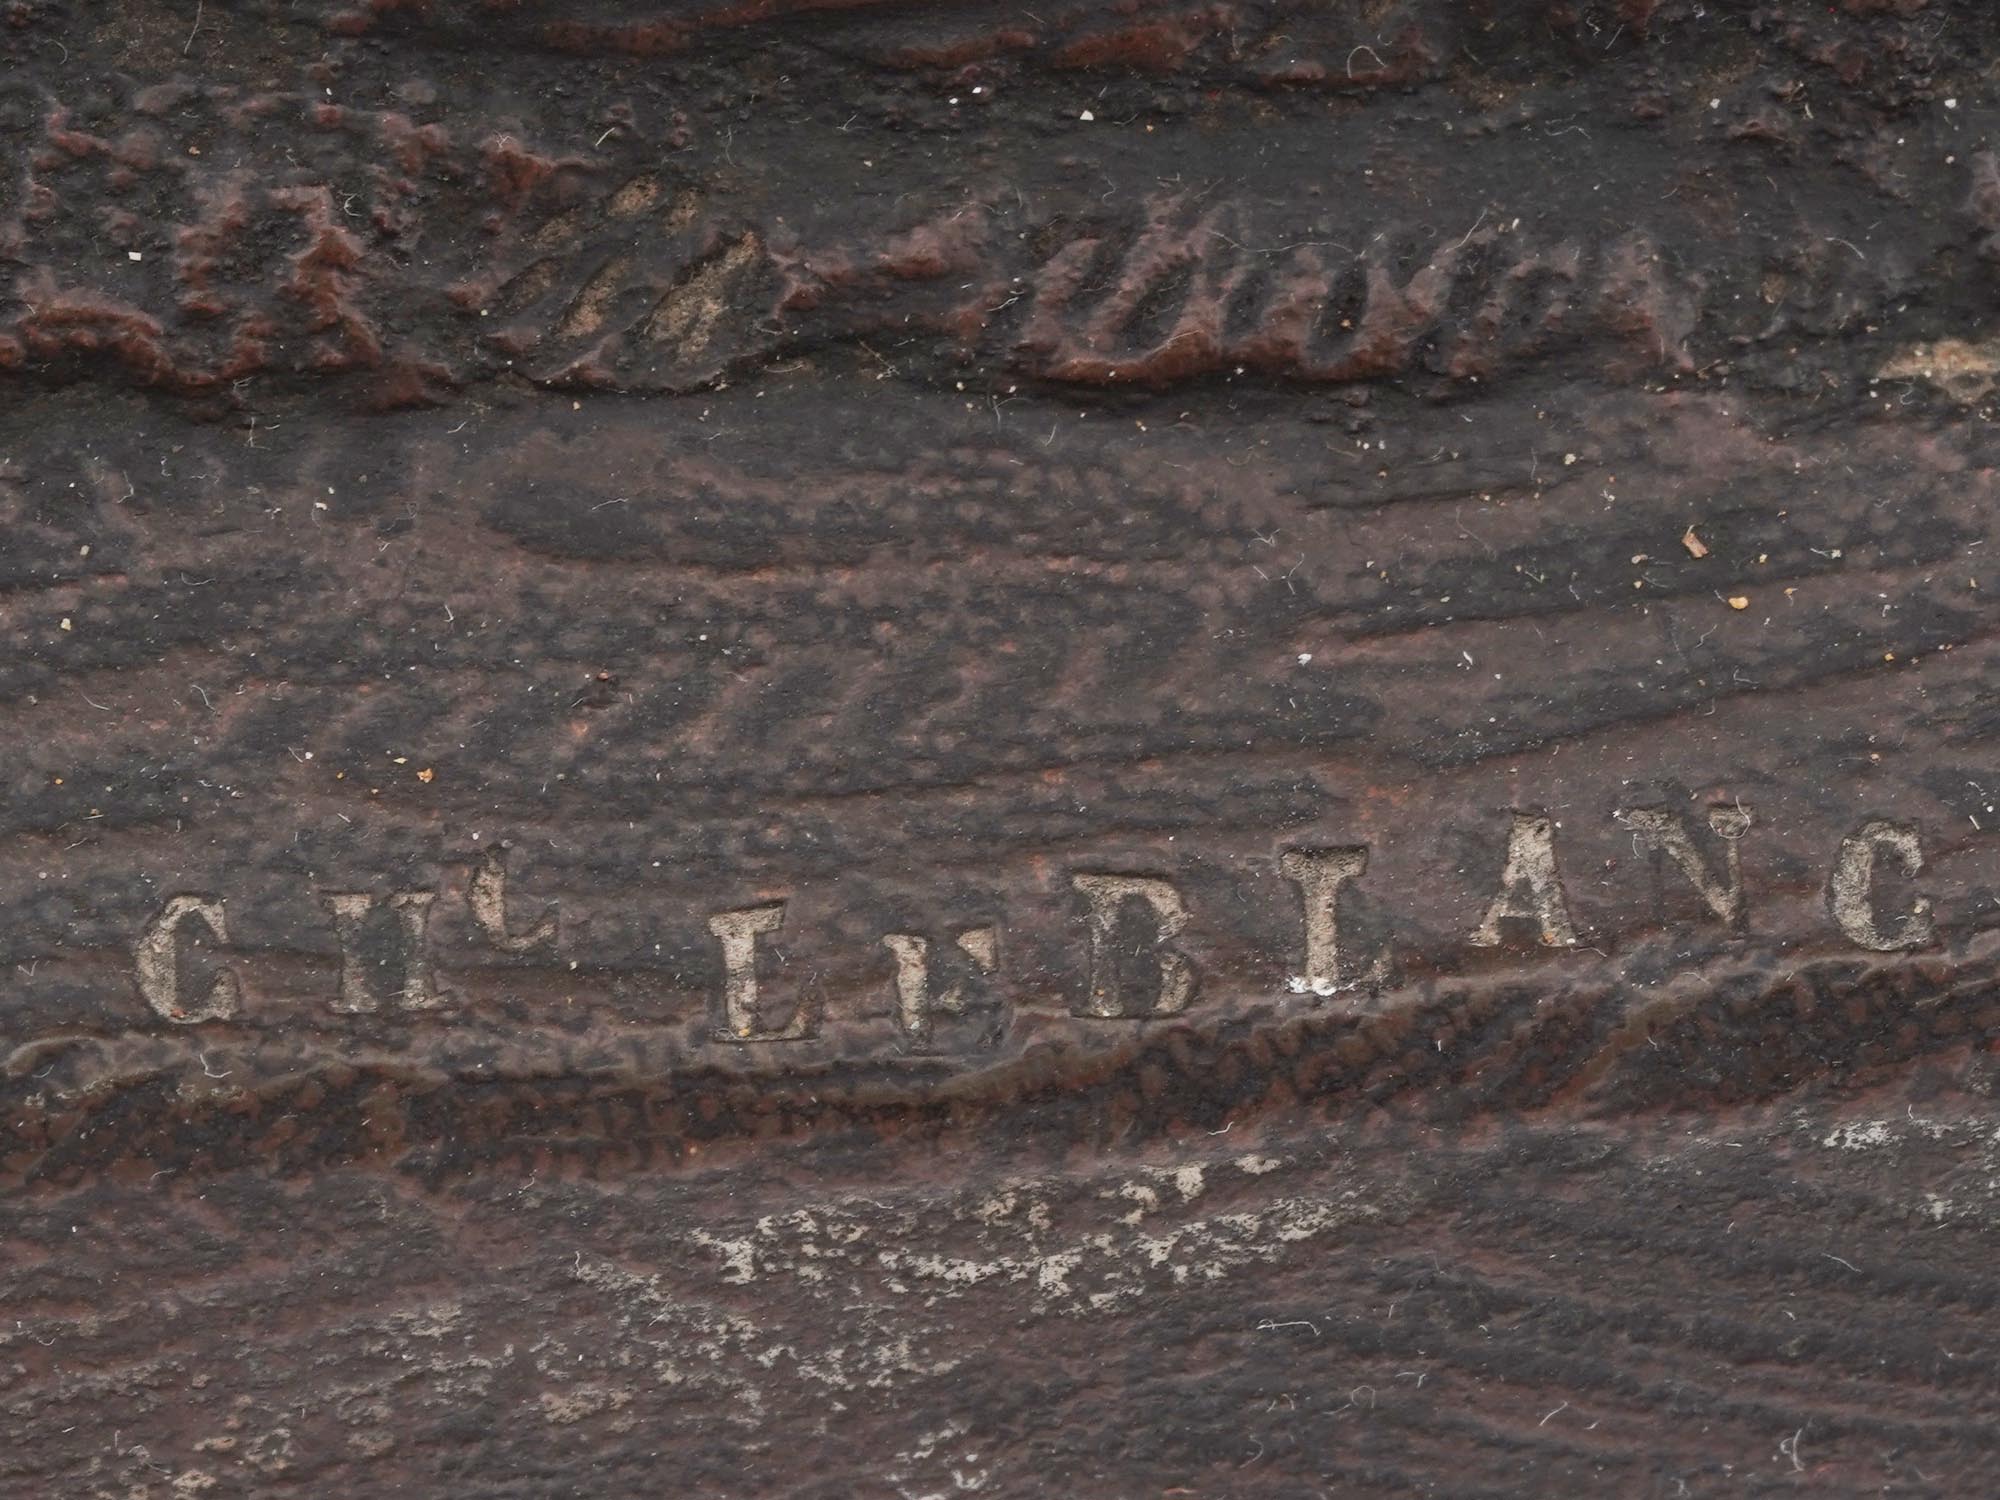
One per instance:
(1862,1137)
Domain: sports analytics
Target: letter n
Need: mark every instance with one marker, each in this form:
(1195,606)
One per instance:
(1661,832)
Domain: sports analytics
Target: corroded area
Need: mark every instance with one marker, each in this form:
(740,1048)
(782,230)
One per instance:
(844,749)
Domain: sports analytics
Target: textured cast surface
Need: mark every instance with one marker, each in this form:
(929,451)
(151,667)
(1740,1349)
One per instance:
(506,505)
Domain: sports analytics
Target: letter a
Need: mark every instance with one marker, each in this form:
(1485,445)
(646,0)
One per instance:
(1530,886)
